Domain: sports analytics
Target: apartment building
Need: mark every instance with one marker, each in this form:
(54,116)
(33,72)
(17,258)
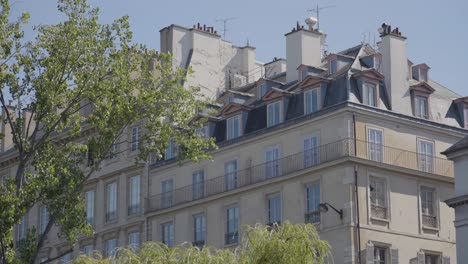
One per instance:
(349,141)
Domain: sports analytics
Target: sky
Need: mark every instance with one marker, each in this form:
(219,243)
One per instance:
(436,30)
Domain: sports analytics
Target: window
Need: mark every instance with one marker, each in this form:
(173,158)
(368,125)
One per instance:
(168,234)
(421,107)
(198,184)
(111,245)
(333,66)
(88,250)
(429,218)
(135,138)
(261,90)
(375,144)
(232,235)
(167,191)
(426,155)
(233,127)
(67,258)
(311,151)
(113,151)
(134,206)
(202,132)
(274,114)
(199,228)
(272,166)
(134,241)
(311,101)
(303,74)
(378,197)
(230,175)
(423,75)
(431,259)
(23,227)
(465,112)
(111,208)
(274,209)
(380,255)
(377,64)
(89,156)
(43,219)
(370,94)
(89,203)
(313,202)
(171,150)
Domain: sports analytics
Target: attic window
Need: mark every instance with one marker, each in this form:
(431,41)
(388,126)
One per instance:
(370,94)
(377,64)
(465,113)
(333,66)
(274,114)
(421,109)
(302,74)
(261,90)
(423,75)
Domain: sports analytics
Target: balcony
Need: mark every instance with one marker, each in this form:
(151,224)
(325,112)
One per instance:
(346,148)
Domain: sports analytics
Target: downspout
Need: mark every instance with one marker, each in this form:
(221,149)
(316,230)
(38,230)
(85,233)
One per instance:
(358,225)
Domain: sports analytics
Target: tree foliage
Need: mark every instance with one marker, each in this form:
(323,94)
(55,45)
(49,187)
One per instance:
(285,244)
(77,88)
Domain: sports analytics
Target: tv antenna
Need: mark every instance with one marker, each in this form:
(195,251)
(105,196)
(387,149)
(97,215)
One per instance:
(317,12)
(225,20)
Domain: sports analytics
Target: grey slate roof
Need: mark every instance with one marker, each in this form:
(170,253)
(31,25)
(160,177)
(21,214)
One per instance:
(460,145)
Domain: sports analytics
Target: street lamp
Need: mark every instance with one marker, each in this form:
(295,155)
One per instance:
(323,207)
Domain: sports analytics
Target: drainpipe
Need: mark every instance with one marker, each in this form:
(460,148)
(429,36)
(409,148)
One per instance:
(358,225)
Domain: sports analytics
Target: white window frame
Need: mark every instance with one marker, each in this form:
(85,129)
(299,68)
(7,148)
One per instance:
(374,148)
(423,77)
(23,227)
(261,90)
(231,133)
(230,175)
(234,232)
(135,143)
(312,204)
(435,207)
(377,259)
(199,228)
(273,166)
(198,184)
(275,213)
(425,160)
(420,108)
(276,117)
(311,151)
(89,203)
(373,180)
(465,117)
(134,202)
(171,150)
(303,74)
(167,233)
(309,104)
(366,93)
(330,68)
(167,196)
(43,218)
(111,201)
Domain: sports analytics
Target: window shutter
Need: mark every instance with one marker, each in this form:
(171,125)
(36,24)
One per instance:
(445,260)
(369,254)
(394,256)
(421,259)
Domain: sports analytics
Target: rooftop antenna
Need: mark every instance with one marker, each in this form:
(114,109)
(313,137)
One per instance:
(225,20)
(317,13)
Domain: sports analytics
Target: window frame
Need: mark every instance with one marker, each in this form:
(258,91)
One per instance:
(374,149)
(43,219)
(134,206)
(106,243)
(435,207)
(311,154)
(171,229)
(330,66)
(312,209)
(113,152)
(386,255)
(90,220)
(231,177)
(109,215)
(426,163)
(275,120)
(171,150)
(385,195)
(318,103)
(261,90)
(418,98)
(135,142)
(230,122)
(198,184)
(275,210)
(465,117)
(199,241)
(365,99)
(273,167)
(131,236)
(167,196)
(232,238)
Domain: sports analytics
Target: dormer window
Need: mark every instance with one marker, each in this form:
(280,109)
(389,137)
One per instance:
(303,74)
(377,63)
(274,115)
(202,132)
(465,113)
(261,90)
(233,127)
(333,66)
(423,75)
(311,101)
(421,109)
(370,94)
(421,72)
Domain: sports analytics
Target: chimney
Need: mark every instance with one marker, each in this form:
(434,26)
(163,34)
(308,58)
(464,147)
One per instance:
(303,46)
(395,68)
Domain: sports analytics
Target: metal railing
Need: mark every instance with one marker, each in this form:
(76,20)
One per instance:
(282,167)
(231,238)
(378,211)
(429,221)
(312,217)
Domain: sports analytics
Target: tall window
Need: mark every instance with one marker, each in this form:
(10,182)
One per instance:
(232,234)
(233,127)
(429,217)
(311,151)
(134,241)
(111,245)
(43,219)
(88,250)
(272,166)
(168,234)
(171,150)
(274,114)
(111,208)
(135,138)
(375,138)
(274,209)
(370,94)
(333,66)
(199,228)
(198,184)
(426,155)
(134,206)
(380,255)
(421,109)
(378,197)
(113,151)
(311,101)
(23,227)
(89,200)
(261,90)
(313,202)
(230,175)
(167,193)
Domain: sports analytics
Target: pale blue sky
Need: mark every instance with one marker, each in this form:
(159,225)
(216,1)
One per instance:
(436,30)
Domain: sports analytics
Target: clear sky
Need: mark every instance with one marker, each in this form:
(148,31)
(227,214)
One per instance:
(436,30)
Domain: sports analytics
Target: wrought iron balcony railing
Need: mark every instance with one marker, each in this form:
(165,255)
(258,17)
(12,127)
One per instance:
(301,161)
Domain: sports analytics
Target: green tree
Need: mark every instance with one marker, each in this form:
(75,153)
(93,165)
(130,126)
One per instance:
(285,244)
(77,87)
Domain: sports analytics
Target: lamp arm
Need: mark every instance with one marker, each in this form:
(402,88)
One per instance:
(340,212)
